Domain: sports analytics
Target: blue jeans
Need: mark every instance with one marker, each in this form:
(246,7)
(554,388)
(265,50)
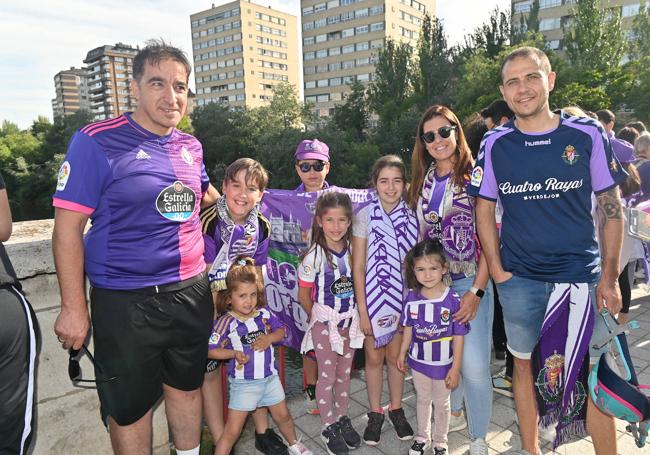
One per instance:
(476,383)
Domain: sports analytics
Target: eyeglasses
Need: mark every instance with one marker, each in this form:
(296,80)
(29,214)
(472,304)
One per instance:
(443,131)
(306,167)
(74,369)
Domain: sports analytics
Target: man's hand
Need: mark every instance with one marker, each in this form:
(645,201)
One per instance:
(608,295)
(241,358)
(71,326)
(469,303)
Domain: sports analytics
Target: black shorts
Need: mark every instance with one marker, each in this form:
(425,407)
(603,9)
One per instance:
(146,339)
(19,336)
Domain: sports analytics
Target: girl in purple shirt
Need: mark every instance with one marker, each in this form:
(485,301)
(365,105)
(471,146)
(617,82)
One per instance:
(433,340)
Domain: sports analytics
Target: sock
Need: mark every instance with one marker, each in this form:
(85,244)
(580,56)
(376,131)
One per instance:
(194,451)
(379,411)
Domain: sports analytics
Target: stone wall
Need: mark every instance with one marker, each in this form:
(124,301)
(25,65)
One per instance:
(67,417)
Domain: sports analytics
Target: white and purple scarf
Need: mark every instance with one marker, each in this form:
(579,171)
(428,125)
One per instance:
(452,223)
(237,239)
(390,237)
(560,361)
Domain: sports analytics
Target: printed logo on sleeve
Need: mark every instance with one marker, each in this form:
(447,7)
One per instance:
(214,338)
(176,202)
(64,174)
(187,156)
(342,288)
(477,176)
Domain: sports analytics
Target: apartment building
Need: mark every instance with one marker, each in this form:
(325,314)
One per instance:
(554,14)
(109,75)
(241,50)
(71,88)
(342,38)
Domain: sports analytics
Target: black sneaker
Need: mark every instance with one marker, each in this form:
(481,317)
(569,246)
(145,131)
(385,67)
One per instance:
(373,430)
(402,427)
(439,451)
(350,436)
(270,443)
(419,447)
(333,440)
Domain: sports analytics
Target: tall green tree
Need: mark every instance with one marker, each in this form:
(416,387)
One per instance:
(435,65)
(528,24)
(493,35)
(390,90)
(595,38)
(639,45)
(285,109)
(352,116)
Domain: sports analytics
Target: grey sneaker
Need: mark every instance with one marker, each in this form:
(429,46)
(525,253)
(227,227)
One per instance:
(457,423)
(478,447)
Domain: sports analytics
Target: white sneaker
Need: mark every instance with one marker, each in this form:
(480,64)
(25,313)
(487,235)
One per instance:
(478,447)
(299,449)
(419,447)
(457,423)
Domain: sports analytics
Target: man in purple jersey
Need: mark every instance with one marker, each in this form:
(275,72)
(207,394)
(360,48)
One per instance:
(544,167)
(141,182)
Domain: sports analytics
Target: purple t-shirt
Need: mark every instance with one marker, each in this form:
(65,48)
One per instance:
(544,182)
(230,332)
(142,193)
(433,327)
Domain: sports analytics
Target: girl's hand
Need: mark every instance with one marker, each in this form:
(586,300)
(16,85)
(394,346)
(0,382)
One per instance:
(401,364)
(241,358)
(469,303)
(365,325)
(452,379)
(262,343)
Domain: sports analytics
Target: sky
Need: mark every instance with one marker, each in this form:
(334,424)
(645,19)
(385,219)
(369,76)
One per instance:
(41,38)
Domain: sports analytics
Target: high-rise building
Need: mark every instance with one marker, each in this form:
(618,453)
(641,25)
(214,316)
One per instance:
(342,38)
(554,14)
(241,50)
(71,88)
(109,75)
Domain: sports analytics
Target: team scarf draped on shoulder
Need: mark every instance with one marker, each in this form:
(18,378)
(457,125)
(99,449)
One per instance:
(390,237)
(560,361)
(454,225)
(237,240)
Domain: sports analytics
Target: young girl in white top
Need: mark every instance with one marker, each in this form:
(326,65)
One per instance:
(326,293)
(433,340)
(384,231)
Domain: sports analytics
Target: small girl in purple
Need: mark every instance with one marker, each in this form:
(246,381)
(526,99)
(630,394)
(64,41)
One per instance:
(245,336)
(327,294)
(433,340)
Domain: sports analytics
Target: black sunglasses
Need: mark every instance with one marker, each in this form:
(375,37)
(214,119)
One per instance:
(305,167)
(74,369)
(443,131)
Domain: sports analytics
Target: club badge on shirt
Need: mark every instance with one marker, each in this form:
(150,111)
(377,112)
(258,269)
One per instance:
(176,202)
(445,316)
(570,155)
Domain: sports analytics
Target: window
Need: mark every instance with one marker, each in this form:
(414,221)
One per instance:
(308,41)
(310,99)
(377,27)
(347,32)
(307,11)
(307,25)
(630,10)
(310,69)
(322,98)
(320,23)
(322,83)
(335,81)
(361,29)
(348,49)
(549,24)
(309,56)
(523,7)
(374,10)
(361,13)
(332,4)
(320,7)
(363,61)
(376,44)
(364,46)
(334,66)
(348,64)
(553,44)
(321,38)
(310,84)
(322,53)
(334,51)
(322,68)
(363,77)
(549,3)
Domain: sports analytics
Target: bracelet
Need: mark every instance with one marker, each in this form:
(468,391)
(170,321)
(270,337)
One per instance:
(477,292)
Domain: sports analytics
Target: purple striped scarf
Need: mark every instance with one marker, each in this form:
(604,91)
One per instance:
(560,361)
(390,237)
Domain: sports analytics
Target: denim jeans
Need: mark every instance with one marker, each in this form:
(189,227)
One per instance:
(476,383)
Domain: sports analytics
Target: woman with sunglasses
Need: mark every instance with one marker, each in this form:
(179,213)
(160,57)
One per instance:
(441,168)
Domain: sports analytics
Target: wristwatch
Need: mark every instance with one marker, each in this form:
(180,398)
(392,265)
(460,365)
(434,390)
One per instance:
(477,292)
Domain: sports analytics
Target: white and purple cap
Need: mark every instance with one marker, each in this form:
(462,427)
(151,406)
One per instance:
(312,150)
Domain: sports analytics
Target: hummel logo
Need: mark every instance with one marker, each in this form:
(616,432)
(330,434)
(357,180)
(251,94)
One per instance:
(142,155)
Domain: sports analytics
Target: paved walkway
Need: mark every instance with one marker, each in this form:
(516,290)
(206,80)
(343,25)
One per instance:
(503,433)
